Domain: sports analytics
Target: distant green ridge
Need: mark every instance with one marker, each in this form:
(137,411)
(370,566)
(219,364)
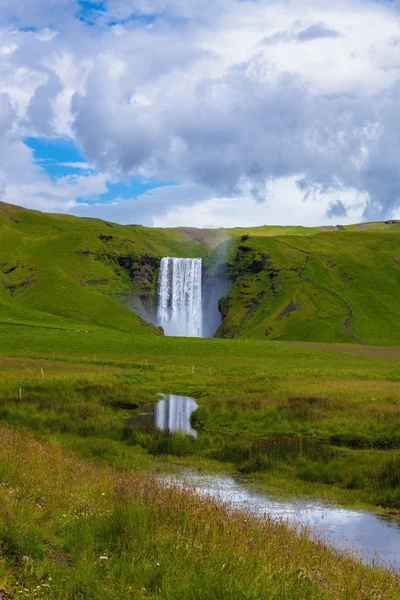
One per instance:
(322,284)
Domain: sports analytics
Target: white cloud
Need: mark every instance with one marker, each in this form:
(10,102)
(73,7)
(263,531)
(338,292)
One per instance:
(284,206)
(225,97)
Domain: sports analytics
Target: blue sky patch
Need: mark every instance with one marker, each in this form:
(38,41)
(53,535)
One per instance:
(131,187)
(55,156)
(62,158)
(90,11)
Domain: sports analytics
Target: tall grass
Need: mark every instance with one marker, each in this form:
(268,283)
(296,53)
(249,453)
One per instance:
(71,529)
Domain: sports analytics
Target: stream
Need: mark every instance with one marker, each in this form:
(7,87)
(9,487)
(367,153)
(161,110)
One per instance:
(372,538)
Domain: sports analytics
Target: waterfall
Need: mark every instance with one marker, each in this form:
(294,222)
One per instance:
(179,296)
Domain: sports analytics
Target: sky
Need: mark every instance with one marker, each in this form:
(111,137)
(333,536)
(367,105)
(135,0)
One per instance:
(199,113)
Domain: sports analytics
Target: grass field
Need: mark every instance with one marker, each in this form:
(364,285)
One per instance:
(82,517)
(58,269)
(345,406)
(337,287)
(73,529)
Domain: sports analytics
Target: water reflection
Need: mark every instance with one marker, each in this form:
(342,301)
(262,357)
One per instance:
(170,414)
(369,536)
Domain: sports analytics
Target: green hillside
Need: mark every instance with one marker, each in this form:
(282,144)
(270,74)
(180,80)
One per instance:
(324,284)
(60,270)
(332,286)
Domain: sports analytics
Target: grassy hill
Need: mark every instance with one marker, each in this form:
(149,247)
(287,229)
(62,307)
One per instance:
(60,270)
(324,284)
(332,286)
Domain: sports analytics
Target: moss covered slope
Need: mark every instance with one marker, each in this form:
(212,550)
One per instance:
(332,286)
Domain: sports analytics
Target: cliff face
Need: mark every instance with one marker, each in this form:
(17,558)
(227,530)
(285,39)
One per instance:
(138,276)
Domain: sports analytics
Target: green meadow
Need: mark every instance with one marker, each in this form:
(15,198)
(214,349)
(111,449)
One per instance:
(320,421)
(83,516)
(298,396)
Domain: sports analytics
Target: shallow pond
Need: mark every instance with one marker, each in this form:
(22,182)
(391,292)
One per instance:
(370,536)
(170,414)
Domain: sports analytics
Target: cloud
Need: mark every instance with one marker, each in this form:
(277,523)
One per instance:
(26,13)
(336,209)
(282,208)
(146,208)
(41,109)
(317,31)
(206,95)
(7,114)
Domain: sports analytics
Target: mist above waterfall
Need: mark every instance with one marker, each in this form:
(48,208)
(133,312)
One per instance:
(180,296)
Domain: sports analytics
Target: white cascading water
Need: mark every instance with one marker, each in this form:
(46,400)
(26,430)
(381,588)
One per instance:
(179,296)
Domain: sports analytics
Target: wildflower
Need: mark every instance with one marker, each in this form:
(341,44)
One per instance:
(103,558)
(103,493)
(157,564)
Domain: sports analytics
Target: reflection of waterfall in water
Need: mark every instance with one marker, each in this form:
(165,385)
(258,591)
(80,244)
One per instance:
(179,296)
(171,414)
